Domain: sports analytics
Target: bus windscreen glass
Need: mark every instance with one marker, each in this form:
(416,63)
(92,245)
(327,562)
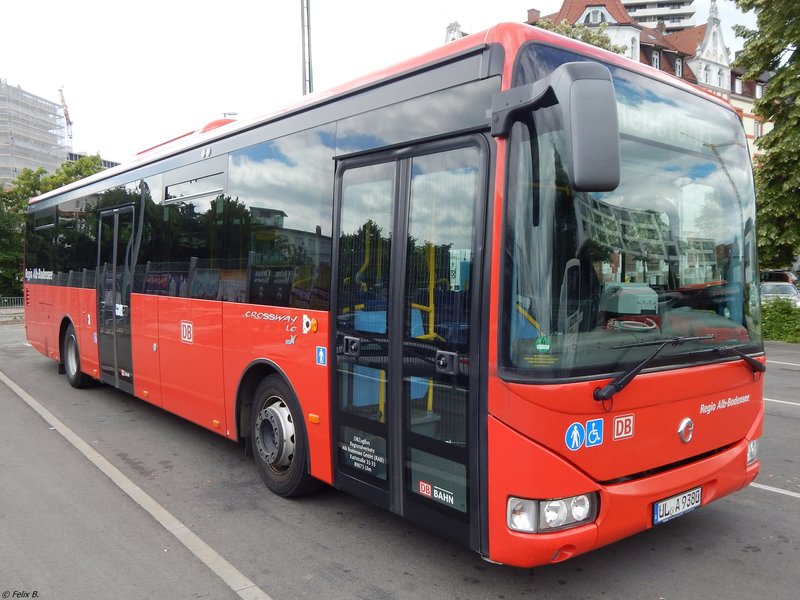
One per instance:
(595,280)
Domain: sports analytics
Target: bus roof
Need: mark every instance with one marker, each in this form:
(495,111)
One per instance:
(509,35)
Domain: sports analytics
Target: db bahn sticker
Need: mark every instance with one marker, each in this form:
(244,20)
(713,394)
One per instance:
(187,332)
(436,493)
(623,427)
(425,488)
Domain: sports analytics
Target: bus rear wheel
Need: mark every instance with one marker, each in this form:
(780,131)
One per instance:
(72,359)
(279,440)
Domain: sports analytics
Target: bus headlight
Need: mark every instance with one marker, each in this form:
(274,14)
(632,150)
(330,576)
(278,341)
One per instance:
(521,515)
(752,451)
(540,516)
(554,514)
(580,507)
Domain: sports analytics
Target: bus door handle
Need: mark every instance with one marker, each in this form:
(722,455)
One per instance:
(446,362)
(352,346)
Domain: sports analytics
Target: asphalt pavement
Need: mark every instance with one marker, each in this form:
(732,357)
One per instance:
(67,531)
(71,529)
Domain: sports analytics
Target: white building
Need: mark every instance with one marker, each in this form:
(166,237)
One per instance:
(696,54)
(32,133)
(621,29)
(712,62)
(676,14)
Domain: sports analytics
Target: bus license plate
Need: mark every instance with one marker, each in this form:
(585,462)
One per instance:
(676,505)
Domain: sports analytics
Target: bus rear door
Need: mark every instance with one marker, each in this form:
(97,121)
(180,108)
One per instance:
(114,282)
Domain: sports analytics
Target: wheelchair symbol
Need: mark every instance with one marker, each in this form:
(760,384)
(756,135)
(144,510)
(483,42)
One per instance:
(579,435)
(594,432)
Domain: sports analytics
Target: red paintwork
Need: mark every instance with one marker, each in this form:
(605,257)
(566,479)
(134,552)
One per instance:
(248,338)
(659,402)
(145,324)
(527,453)
(48,307)
(200,380)
(625,508)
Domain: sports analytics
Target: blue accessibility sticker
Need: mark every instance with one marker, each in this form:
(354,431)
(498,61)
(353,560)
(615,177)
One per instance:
(594,432)
(575,436)
(322,355)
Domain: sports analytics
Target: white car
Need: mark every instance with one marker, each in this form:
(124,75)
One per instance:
(772,290)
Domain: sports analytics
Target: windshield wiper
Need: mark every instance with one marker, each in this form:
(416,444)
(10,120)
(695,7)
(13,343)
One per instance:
(723,350)
(754,364)
(607,391)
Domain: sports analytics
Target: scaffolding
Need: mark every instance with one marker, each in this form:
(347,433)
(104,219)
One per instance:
(33,133)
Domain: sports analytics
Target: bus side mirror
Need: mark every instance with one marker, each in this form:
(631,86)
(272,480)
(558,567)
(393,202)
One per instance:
(585,92)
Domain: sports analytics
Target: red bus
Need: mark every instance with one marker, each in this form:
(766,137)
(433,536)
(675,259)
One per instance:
(507,290)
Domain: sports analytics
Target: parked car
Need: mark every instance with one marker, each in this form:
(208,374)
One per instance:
(776,275)
(787,291)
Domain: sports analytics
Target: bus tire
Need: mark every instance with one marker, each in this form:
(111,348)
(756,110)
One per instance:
(279,440)
(72,359)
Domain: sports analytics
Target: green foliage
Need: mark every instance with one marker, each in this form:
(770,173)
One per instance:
(13,204)
(780,320)
(596,36)
(12,221)
(773,48)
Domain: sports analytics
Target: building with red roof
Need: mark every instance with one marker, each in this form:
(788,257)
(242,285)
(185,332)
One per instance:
(621,29)
(696,54)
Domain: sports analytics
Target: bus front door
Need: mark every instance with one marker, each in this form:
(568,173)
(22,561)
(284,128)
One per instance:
(114,282)
(404,376)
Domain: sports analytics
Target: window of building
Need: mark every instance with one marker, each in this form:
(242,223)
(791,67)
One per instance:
(737,85)
(759,90)
(655,59)
(758,130)
(594,17)
(720,77)
(679,67)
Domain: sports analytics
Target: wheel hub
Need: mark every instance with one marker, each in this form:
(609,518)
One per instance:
(71,357)
(275,434)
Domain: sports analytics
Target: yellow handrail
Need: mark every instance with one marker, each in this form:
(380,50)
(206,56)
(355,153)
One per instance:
(528,317)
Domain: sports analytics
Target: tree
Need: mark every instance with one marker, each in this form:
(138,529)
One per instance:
(13,204)
(596,36)
(772,48)
(11,219)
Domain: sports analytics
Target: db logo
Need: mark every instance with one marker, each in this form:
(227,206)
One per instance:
(425,489)
(187,334)
(623,427)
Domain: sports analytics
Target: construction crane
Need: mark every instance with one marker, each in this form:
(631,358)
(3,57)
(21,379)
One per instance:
(66,113)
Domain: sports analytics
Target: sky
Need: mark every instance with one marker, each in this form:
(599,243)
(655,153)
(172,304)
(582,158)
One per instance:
(135,73)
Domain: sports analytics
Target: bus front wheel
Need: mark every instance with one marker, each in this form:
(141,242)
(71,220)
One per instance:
(72,359)
(279,440)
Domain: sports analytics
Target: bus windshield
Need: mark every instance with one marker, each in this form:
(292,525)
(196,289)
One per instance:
(593,280)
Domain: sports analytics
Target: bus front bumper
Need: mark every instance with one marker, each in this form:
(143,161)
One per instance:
(624,508)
